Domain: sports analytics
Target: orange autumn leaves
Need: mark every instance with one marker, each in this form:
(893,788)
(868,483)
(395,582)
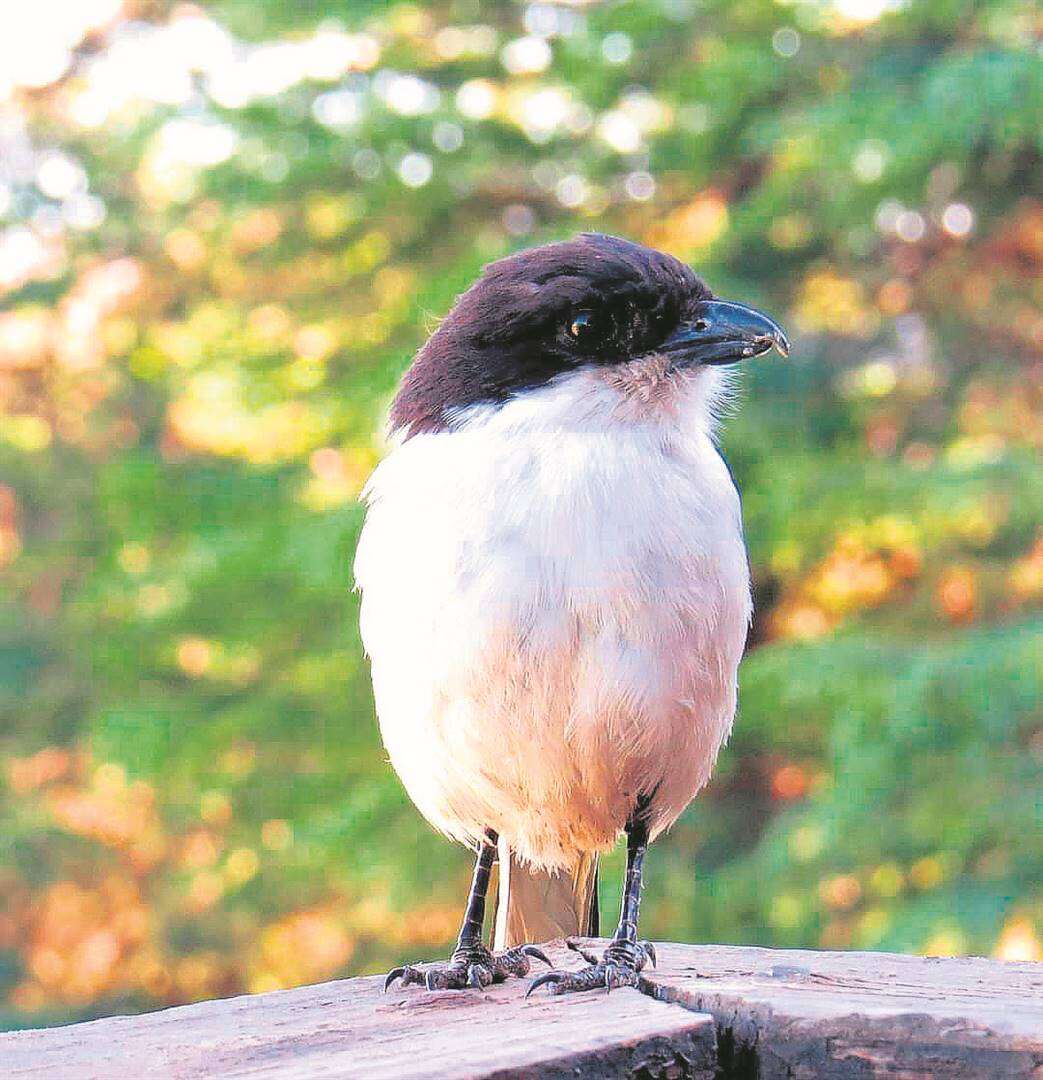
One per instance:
(935,563)
(111,933)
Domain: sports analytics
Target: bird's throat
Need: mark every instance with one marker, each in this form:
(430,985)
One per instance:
(650,387)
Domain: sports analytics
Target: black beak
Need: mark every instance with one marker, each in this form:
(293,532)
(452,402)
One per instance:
(720,332)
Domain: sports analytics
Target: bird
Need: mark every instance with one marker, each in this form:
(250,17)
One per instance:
(555,591)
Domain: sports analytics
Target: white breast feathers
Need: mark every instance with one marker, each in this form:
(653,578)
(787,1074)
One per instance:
(555,599)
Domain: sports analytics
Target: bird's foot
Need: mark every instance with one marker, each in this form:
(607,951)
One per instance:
(471,966)
(620,965)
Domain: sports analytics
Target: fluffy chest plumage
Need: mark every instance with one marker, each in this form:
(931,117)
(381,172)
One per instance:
(555,599)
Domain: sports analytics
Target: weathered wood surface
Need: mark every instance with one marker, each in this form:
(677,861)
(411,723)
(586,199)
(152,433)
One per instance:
(720,1012)
(834,1014)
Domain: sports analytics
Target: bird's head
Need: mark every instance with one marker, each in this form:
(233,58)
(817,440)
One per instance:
(597,304)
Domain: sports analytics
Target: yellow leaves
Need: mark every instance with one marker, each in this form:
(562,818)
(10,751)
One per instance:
(367,253)
(800,621)
(305,373)
(947,940)
(850,578)
(927,873)
(241,865)
(786,558)
(199,976)
(215,808)
(154,599)
(992,417)
(787,911)
(841,892)
(277,834)
(269,323)
(205,890)
(868,563)
(185,248)
(392,285)
(239,759)
(1025,578)
(860,572)
(315,342)
(147,362)
(807,842)
(78,941)
(692,228)
(200,657)
(1019,940)
(305,946)
(972,451)
(199,849)
(194,656)
(256,230)
(873,380)
(337,476)
(84,942)
(887,880)
(830,302)
(871,927)
(212,416)
(25,337)
(134,558)
(112,811)
(451,43)
(57,357)
(428,925)
(326,217)
(874,562)
(25,432)
(859,904)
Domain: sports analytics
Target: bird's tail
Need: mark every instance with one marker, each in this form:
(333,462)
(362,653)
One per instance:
(537,905)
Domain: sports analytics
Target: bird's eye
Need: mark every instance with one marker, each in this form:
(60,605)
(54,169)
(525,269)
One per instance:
(701,325)
(584,327)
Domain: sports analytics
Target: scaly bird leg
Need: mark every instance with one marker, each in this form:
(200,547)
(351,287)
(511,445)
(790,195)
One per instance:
(625,956)
(472,964)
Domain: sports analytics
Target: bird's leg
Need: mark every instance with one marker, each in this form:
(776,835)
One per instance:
(472,964)
(625,956)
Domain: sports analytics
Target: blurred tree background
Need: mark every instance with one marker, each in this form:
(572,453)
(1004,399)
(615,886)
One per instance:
(224,228)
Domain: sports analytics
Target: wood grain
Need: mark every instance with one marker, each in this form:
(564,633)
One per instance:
(719,1011)
(832,1014)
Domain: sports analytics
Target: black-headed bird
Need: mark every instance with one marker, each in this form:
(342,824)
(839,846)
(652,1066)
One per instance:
(555,589)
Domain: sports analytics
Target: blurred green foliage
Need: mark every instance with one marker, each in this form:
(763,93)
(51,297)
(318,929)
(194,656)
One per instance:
(227,228)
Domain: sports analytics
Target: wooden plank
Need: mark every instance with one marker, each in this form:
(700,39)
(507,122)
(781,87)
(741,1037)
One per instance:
(352,1029)
(831,1014)
(796,1014)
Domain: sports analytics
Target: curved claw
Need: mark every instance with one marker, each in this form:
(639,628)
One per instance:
(577,948)
(474,977)
(548,977)
(649,949)
(539,954)
(393,974)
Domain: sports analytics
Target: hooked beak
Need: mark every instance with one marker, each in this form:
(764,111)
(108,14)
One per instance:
(720,332)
